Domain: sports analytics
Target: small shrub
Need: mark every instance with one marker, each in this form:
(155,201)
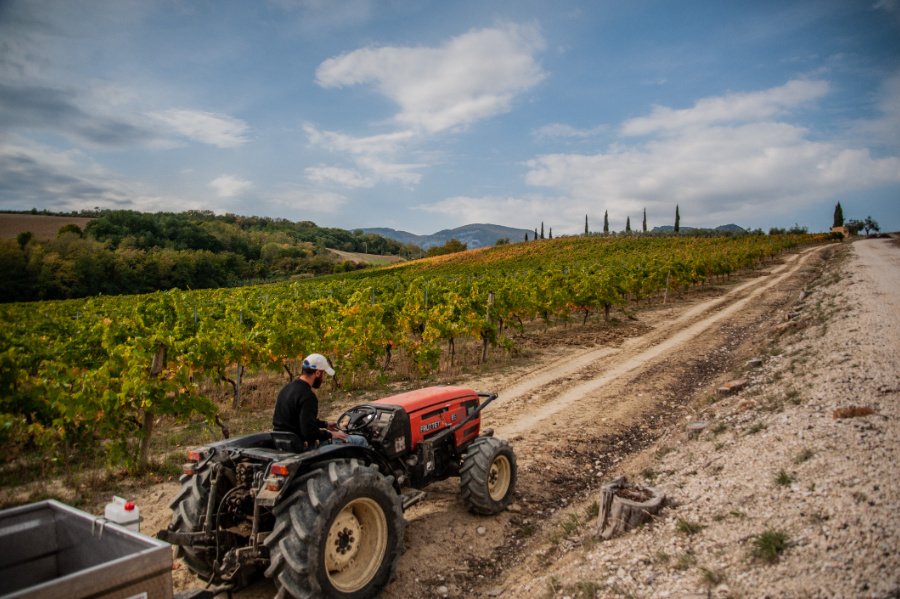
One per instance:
(649,474)
(570,524)
(593,511)
(783,478)
(687,527)
(712,578)
(586,589)
(769,546)
(756,428)
(685,561)
(553,586)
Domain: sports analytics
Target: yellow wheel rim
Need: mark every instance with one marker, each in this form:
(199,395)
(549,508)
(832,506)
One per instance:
(499,478)
(356,544)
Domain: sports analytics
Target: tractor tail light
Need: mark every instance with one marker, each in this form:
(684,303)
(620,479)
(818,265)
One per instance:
(196,455)
(277,474)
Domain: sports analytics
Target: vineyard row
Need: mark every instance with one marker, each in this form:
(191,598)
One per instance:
(75,372)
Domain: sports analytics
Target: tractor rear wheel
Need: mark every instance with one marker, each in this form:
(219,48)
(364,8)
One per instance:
(188,510)
(487,478)
(338,533)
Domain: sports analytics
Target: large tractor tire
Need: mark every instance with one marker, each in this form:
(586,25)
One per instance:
(338,533)
(188,510)
(487,478)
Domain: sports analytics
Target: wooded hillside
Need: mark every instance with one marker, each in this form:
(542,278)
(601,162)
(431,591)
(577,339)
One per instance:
(122,251)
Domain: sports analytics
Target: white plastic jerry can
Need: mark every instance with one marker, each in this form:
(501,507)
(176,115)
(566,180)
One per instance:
(124,513)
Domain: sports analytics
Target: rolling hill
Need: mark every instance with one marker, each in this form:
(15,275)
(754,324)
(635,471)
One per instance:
(474,236)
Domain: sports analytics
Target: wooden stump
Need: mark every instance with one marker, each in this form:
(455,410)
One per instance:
(624,506)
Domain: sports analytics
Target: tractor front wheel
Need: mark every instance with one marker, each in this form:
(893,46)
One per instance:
(487,477)
(337,534)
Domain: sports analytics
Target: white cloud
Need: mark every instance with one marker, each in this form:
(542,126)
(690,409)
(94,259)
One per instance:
(32,174)
(306,201)
(471,77)
(885,128)
(391,172)
(210,128)
(512,211)
(387,143)
(367,154)
(437,89)
(229,186)
(724,160)
(342,176)
(731,108)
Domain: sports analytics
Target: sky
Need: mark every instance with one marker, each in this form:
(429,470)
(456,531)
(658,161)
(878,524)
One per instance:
(424,115)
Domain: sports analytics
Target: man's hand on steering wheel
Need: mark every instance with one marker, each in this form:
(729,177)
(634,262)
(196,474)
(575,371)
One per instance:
(356,419)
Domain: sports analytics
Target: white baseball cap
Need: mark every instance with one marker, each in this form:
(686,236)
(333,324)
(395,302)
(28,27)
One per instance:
(318,362)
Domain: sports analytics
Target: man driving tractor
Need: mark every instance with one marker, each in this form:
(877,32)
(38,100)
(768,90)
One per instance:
(297,407)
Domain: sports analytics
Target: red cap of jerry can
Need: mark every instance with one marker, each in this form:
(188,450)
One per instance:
(129,506)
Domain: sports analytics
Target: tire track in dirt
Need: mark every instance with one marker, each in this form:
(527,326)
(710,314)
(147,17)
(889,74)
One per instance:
(633,354)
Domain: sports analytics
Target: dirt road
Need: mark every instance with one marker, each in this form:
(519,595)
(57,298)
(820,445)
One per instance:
(807,452)
(574,415)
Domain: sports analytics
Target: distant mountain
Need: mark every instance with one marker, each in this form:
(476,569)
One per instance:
(474,236)
(731,228)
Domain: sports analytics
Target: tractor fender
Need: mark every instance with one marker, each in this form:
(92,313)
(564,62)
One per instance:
(314,459)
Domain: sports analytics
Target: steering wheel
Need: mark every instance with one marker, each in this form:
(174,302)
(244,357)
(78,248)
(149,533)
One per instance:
(356,419)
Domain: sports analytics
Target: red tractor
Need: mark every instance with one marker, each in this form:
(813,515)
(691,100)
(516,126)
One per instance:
(328,521)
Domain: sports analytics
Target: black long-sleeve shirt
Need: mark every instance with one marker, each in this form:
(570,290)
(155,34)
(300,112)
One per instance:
(297,411)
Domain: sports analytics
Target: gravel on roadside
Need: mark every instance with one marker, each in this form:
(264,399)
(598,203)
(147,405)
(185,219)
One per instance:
(792,488)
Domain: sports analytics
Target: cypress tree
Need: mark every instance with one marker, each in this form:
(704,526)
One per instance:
(551,232)
(526,236)
(838,216)
(585,225)
(644,225)
(605,222)
(628,225)
(542,229)
(677,219)
(535,234)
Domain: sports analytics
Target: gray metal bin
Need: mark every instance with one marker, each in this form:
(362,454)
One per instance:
(49,550)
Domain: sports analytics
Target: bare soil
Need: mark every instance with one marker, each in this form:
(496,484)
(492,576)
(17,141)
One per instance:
(367,258)
(43,227)
(595,402)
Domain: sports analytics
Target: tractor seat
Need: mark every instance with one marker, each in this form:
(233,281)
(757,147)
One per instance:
(288,441)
